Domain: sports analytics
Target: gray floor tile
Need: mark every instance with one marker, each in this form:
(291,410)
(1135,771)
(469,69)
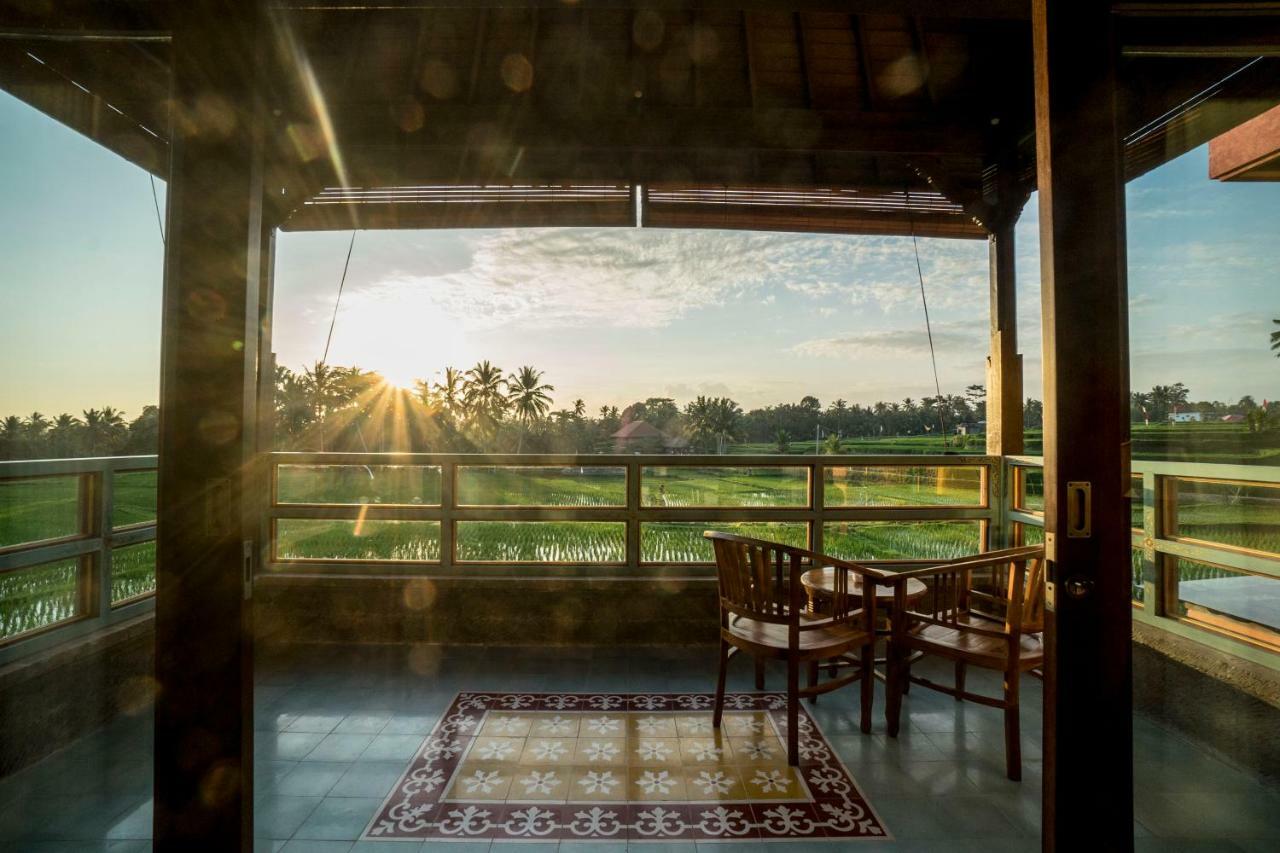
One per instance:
(338,819)
(277,817)
(369,779)
(397,747)
(311,779)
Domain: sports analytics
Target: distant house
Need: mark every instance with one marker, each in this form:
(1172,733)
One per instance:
(638,437)
(1186,417)
(1232,419)
(980,428)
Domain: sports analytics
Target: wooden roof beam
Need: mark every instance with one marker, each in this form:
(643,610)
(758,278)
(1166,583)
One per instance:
(977,9)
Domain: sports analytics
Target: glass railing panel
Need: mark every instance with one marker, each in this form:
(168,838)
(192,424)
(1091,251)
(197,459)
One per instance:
(1030,489)
(1139,592)
(1229,600)
(1136,503)
(133,571)
(348,485)
(37,597)
(894,540)
(682,541)
(134,498)
(359,539)
(904,485)
(38,508)
(1027,534)
(716,486)
(542,485)
(593,542)
(1234,514)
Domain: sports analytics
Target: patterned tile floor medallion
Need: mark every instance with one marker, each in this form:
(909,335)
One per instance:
(622,766)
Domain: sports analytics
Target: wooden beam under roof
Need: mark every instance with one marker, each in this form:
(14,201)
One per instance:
(978,9)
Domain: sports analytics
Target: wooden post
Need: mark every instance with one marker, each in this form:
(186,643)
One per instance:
(1004,364)
(1088,773)
(203,727)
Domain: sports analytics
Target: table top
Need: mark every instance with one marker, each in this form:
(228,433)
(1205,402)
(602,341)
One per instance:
(824,580)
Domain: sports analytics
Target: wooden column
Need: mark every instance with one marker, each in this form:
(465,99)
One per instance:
(203,728)
(1088,785)
(1004,364)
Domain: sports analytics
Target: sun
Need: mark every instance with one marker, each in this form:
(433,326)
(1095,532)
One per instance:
(398,378)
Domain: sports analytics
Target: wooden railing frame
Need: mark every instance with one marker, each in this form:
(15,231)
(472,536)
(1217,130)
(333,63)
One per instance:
(1159,605)
(449,512)
(98,537)
(93,545)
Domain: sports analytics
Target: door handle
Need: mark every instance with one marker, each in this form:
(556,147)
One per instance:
(1079,509)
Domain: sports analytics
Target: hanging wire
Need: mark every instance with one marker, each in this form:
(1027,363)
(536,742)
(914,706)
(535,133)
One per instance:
(341,283)
(928,327)
(155,199)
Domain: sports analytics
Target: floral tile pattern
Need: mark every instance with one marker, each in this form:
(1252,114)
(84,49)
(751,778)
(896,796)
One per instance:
(621,766)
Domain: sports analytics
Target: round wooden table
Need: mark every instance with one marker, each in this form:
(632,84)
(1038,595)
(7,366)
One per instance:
(822,582)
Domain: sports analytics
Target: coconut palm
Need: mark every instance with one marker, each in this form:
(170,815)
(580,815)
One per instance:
(782,440)
(484,391)
(528,397)
(36,426)
(12,437)
(63,434)
(449,391)
(101,427)
(579,408)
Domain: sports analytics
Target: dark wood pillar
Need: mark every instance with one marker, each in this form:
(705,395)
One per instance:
(1004,364)
(1088,785)
(206,532)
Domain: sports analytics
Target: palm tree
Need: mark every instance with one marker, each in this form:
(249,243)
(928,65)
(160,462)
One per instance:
(320,384)
(449,391)
(484,392)
(579,408)
(101,426)
(12,433)
(63,434)
(36,426)
(528,397)
(782,440)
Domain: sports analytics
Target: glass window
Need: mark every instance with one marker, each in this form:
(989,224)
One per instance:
(894,540)
(358,484)
(360,539)
(541,485)
(764,485)
(682,541)
(133,571)
(39,508)
(903,485)
(39,596)
(1228,599)
(134,498)
(542,541)
(1235,514)
(1030,495)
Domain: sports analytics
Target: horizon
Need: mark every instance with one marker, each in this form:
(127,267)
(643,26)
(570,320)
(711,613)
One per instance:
(763,317)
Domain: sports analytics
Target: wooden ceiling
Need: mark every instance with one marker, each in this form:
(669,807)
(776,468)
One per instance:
(865,115)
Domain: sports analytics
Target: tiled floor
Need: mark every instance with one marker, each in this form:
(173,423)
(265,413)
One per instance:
(335,731)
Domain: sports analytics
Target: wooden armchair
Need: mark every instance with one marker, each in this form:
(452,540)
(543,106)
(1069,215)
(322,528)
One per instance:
(987,611)
(763,612)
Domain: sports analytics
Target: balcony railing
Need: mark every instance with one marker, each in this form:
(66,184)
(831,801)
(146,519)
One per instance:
(77,547)
(1206,548)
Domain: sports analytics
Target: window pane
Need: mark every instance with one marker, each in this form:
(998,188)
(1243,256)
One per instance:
(903,485)
(1028,534)
(39,508)
(38,596)
(764,485)
(358,484)
(1228,599)
(542,541)
(133,494)
(682,542)
(1236,514)
(541,485)
(1135,504)
(889,540)
(341,539)
(1031,491)
(133,571)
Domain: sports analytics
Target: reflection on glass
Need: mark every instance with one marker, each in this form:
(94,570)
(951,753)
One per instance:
(344,539)
(541,485)
(1231,600)
(1139,592)
(38,596)
(1031,490)
(542,541)
(358,484)
(133,571)
(133,497)
(903,485)
(39,508)
(1228,513)
(1028,534)
(891,540)
(682,541)
(1136,503)
(764,485)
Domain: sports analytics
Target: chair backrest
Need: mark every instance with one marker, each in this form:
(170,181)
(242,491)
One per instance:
(758,579)
(1005,585)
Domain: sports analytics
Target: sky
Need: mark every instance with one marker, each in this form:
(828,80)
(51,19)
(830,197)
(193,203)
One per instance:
(615,315)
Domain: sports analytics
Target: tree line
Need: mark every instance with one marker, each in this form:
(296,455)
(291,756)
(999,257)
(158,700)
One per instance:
(486,409)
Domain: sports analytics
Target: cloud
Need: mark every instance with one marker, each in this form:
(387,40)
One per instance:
(895,342)
(650,278)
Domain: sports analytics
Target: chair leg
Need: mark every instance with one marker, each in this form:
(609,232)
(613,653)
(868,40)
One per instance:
(793,712)
(960,673)
(894,688)
(724,671)
(868,685)
(759,674)
(1012,726)
(906,674)
(813,681)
